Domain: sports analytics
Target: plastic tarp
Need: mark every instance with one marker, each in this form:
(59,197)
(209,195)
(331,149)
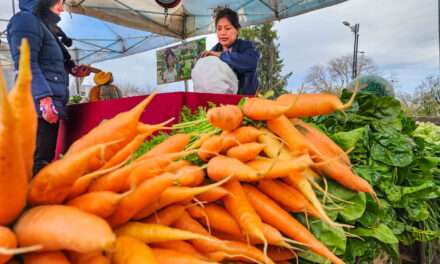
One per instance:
(109,29)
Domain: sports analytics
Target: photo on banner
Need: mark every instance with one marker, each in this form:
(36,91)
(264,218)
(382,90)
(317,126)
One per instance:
(175,63)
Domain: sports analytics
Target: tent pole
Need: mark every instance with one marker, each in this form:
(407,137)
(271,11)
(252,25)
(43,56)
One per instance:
(13,7)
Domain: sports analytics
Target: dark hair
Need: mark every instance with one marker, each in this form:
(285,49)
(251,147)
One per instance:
(43,7)
(230,15)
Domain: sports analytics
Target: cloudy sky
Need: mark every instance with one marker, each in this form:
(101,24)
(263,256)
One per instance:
(401,36)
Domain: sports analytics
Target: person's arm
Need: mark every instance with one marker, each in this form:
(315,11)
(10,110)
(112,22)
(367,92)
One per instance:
(245,61)
(27,26)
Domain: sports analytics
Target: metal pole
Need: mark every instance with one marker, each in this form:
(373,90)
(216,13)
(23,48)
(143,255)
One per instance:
(355,51)
(438,5)
(186,86)
(13,7)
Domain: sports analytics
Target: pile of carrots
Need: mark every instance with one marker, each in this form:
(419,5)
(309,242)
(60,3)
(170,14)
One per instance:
(98,205)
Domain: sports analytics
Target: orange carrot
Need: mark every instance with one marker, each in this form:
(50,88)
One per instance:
(168,256)
(54,182)
(291,136)
(274,215)
(122,126)
(150,129)
(81,184)
(53,257)
(227,117)
(167,216)
(241,135)
(7,240)
(273,148)
(272,168)
(180,246)
(218,218)
(129,250)
(321,141)
(143,196)
(88,258)
(175,143)
(212,195)
(211,147)
(306,105)
(221,167)
(102,204)
(47,226)
(23,107)
(229,249)
(13,176)
(191,176)
(280,254)
(125,152)
(174,195)
(153,233)
(287,196)
(263,109)
(238,205)
(245,152)
(176,165)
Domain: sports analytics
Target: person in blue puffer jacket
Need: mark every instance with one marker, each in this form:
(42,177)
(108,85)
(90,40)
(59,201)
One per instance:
(50,65)
(241,55)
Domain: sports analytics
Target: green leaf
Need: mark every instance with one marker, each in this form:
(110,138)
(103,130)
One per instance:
(349,139)
(392,148)
(382,233)
(356,205)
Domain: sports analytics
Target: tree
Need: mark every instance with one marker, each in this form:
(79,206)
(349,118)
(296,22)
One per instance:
(427,97)
(270,65)
(336,75)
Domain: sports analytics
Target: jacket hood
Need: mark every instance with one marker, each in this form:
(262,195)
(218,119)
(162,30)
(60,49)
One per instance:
(27,5)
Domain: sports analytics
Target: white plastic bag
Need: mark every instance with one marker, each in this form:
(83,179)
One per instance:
(212,75)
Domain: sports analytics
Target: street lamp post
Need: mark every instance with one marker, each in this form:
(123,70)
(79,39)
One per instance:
(355,30)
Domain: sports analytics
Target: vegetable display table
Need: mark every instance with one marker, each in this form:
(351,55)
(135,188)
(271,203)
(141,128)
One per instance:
(83,117)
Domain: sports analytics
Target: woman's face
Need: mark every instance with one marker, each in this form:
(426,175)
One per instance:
(226,32)
(58,8)
(170,61)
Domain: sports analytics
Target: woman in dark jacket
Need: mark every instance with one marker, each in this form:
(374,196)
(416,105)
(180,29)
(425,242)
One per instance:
(50,64)
(241,55)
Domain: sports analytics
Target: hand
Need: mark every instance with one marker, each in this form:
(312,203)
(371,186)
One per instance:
(211,53)
(48,110)
(81,71)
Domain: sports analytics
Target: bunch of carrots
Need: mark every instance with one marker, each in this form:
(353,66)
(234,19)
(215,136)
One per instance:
(98,205)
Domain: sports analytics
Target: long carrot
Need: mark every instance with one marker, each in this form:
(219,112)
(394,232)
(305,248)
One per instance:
(144,195)
(217,218)
(272,168)
(241,135)
(13,175)
(152,233)
(212,195)
(54,182)
(176,165)
(180,246)
(287,196)
(221,167)
(211,147)
(7,240)
(102,204)
(280,254)
(273,148)
(274,215)
(263,109)
(245,152)
(168,256)
(307,105)
(229,249)
(150,129)
(238,205)
(47,226)
(322,142)
(167,216)
(291,136)
(53,257)
(81,184)
(227,117)
(125,152)
(122,126)
(88,258)
(175,143)
(24,108)
(129,250)
(191,176)
(174,195)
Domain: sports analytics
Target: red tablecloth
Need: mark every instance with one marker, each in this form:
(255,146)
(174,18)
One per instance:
(83,117)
